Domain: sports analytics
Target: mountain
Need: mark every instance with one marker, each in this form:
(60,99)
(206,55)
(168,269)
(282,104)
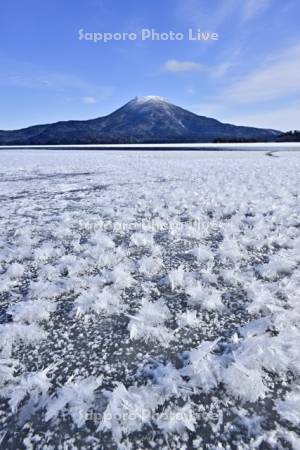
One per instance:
(147,119)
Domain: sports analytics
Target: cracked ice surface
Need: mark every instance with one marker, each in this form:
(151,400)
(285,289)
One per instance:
(149,300)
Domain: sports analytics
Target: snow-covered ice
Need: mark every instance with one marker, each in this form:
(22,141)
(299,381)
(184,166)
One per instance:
(149,300)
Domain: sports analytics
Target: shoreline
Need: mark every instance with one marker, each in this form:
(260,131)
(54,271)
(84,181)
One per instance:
(282,146)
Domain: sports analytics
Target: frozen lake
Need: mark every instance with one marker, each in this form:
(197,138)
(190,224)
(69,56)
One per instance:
(149,299)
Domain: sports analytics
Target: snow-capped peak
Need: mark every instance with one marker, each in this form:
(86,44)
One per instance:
(147,98)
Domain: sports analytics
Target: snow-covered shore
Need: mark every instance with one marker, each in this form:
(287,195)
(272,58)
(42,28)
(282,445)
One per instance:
(278,146)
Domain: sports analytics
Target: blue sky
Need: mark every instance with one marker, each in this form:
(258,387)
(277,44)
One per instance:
(250,75)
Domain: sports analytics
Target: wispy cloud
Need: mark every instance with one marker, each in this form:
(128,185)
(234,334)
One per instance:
(213,70)
(199,13)
(89,100)
(42,80)
(253,8)
(67,85)
(173,65)
(190,90)
(277,78)
(219,70)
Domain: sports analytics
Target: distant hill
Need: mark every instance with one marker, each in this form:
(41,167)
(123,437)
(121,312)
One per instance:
(147,119)
(290,136)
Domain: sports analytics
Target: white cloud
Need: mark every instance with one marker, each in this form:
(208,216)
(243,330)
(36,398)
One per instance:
(89,100)
(173,65)
(217,70)
(278,78)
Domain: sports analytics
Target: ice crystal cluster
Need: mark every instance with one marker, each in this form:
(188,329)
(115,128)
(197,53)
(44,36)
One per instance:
(149,300)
